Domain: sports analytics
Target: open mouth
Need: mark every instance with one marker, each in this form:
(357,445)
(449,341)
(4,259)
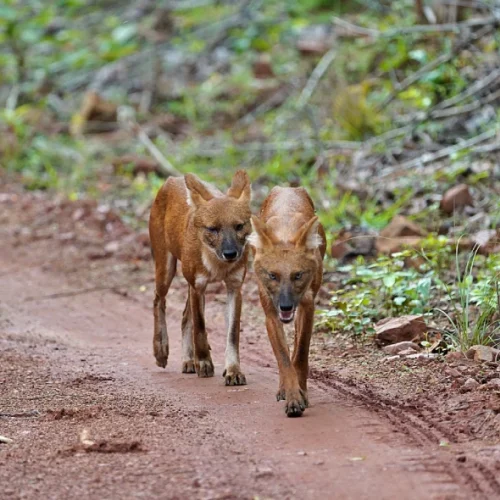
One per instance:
(286,316)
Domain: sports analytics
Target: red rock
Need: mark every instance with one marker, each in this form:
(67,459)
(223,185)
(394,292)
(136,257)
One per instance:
(139,164)
(389,246)
(262,67)
(485,241)
(392,330)
(483,353)
(312,47)
(401,226)
(470,385)
(401,346)
(455,356)
(339,249)
(408,352)
(455,198)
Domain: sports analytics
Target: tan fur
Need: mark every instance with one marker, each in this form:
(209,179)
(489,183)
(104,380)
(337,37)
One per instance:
(289,245)
(195,223)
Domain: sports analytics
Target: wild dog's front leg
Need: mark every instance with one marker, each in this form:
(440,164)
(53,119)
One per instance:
(202,359)
(303,331)
(232,372)
(295,398)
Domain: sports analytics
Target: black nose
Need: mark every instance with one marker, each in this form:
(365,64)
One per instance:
(286,307)
(230,254)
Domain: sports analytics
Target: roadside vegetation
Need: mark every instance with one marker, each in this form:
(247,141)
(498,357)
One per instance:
(378,108)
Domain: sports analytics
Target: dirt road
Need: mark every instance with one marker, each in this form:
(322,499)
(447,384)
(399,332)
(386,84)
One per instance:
(70,363)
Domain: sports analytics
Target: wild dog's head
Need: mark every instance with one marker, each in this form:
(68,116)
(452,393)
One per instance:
(223,222)
(285,270)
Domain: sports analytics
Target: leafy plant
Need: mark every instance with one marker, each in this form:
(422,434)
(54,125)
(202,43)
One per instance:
(475,304)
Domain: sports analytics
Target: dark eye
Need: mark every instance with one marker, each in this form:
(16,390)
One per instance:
(239,227)
(272,276)
(297,276)
(213,230)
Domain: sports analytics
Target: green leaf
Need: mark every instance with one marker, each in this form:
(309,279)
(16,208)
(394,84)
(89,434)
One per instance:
(389,280)
(399,301)
(124,33)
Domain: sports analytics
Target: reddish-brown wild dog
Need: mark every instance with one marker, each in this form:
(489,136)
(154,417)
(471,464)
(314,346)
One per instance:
(289,245)
(206,230)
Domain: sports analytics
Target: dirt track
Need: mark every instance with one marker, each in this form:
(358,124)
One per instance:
(85,362)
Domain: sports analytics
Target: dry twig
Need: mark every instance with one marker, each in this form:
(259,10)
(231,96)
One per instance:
(442,153)
(126,118)
(410,80)
(421,28)
(315,77)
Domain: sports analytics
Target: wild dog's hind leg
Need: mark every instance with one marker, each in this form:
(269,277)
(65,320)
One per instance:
(303,331)
(165,271)
(187,339)
(232,372)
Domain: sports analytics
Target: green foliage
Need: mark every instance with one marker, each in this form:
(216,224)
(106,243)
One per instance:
(383,288)
(475,302)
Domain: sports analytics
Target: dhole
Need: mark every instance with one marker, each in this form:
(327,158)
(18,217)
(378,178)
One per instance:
(289,246)
(206,230)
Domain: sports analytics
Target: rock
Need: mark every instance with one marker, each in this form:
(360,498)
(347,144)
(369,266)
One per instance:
(264,472)
(455,356)
(93,109)
(423,356)
(408,352)
(392,245)
(400,346)
(470,384)
(483,353)
(455,198)
(494,384)
(138,164)
(401,226)
(393,330)
(301,453)
(112,247)
(352,243)
(312,47)
(262,67)
(392,358)
(452,372)
(340,249)
(485,241)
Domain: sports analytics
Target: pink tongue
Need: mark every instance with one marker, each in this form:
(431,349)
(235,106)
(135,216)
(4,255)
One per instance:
(286,315)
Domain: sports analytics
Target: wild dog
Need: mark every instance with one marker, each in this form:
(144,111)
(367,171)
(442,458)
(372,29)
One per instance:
(289,245)
(195,223)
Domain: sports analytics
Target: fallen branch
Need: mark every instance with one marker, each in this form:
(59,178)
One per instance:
(315,77)
(444,58)
(264,147)
(442,153)
(421,28)
(61,295)
(126,118)
(21,414)
(476,87)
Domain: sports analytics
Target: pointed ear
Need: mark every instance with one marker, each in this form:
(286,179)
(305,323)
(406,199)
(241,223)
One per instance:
(261,236)
(307,236)
(240,187)
(197,193)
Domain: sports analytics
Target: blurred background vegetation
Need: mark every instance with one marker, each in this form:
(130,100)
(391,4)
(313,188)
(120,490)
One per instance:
(377,107)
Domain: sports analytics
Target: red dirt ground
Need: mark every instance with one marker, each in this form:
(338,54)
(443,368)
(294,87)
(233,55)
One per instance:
(76,357)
